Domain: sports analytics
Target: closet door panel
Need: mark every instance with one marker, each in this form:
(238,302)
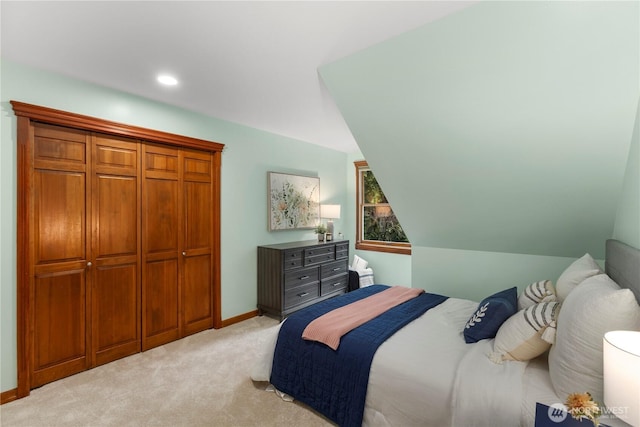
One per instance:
(117,156)
(198,237)
(116,248)
(59,227)
(116,310)
(197,299)
(116,202)
(54,146)
(161,216)
(197,199)
(60,216)
(59,326)
(161,320)
(160,246)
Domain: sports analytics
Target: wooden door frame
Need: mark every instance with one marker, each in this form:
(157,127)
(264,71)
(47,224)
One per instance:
(28,113)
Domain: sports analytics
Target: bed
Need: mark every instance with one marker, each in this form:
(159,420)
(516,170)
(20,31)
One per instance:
(427,374)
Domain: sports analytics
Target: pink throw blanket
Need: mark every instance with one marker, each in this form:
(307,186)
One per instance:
(330,327)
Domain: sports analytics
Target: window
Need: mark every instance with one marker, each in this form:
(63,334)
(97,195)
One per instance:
(378,229)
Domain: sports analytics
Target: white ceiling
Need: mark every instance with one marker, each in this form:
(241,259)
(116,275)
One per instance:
(253,63)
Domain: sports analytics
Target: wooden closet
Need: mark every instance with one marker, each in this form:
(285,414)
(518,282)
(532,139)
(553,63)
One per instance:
(118,241)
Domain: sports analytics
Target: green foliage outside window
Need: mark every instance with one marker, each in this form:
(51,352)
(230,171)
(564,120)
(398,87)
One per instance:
(380,223)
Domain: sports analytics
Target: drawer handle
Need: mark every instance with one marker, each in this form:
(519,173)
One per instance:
(310,252)
(337,284)
(337,269)
(304,294)
(304,277)
(293,263)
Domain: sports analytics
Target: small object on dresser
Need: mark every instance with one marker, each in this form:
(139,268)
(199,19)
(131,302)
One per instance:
(321,231)
(330,212)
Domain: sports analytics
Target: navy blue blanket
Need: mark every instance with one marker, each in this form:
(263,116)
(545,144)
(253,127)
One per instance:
(335,382)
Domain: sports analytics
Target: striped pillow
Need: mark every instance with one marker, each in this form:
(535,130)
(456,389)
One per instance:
(526,334)
(537,292)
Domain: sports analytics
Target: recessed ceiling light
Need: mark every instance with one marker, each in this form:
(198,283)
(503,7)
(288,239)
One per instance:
(167,80)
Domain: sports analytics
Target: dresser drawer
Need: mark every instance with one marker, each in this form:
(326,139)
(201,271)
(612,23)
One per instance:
(342,251)
(319,250)
(292,259)
(301,294)
(293,279)
(319,254)
(318,259)
(334,268)
(334,284)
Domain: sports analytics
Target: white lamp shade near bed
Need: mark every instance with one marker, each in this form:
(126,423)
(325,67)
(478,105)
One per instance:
(330,212)
(621,358)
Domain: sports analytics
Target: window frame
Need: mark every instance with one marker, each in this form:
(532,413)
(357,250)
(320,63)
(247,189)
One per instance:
(371,245)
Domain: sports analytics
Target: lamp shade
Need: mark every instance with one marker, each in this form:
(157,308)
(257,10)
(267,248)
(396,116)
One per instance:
(330,211)
(621,369)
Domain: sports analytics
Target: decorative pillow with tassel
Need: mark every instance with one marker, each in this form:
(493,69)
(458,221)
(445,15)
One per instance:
(527,334)
(535,293)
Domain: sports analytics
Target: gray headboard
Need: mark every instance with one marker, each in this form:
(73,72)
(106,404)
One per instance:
(622,264)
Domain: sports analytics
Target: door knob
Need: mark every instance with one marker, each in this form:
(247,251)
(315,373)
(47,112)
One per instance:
(184,254)
(89,264)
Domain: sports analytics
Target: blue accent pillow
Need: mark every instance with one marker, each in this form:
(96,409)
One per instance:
(490,315)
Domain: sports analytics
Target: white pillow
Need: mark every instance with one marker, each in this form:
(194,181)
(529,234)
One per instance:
(526,334)
(535,293)
(597,306)
(366,277)
(359,263)
(578,271)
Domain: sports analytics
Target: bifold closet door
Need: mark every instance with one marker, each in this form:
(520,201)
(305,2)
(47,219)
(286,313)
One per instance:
(86,266)
(161,228)
(116,248)
(177,244)
(197,247)
(59,209)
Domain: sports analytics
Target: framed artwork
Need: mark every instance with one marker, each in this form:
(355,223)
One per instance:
(294,201)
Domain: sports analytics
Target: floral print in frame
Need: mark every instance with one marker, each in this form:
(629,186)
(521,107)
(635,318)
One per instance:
(294,201)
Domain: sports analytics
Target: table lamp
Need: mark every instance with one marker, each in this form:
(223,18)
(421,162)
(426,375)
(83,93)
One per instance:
(621,373)
(330,212)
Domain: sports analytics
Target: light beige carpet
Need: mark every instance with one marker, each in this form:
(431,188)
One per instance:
(201,380)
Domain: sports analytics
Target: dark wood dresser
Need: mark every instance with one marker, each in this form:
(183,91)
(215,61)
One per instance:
(295,275)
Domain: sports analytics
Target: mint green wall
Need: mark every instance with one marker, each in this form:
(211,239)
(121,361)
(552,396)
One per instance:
(474,275)
(627,226)
(501,134)
(248,155)
(504,127)
(477,274)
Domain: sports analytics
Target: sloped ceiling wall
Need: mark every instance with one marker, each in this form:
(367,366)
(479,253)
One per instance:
(504,127)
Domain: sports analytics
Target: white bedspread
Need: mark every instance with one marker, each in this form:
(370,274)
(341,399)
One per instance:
(412,373)
(261,370)
(484,390)
(426,375)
